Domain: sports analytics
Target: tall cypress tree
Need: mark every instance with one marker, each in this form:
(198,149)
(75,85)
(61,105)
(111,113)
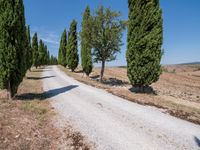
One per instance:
(12,45)
(8,52)
(49,57)
(145,37)
(41,50)
(63,48)
(72,47)
(35,50)
(29,58)
(59,57)
(86,34)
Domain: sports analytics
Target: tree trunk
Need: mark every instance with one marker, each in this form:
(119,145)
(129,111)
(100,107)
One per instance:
(9,91)
(102,71)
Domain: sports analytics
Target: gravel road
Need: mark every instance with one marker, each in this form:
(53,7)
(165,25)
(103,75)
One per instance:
(113,123)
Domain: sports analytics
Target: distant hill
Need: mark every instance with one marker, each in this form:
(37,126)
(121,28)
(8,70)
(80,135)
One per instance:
(191,63)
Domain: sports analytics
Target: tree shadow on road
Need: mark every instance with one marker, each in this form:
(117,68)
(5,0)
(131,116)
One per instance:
(41,70)
(40,78)
(197,140)
(44,95)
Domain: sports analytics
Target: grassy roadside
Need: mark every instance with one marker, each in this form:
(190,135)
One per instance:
(174,108)
(25,124)
(28,121)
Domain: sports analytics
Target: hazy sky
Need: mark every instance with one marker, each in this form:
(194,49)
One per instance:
(181,24)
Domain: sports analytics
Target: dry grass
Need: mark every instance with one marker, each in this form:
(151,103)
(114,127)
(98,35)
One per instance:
(178,93)
(27,122)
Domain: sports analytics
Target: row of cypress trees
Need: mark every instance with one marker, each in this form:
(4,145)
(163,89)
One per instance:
(40,53)
(17,55)
(101,38)
(68,51)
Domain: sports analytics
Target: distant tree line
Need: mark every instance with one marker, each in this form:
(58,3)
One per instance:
(17,54)
(101,36)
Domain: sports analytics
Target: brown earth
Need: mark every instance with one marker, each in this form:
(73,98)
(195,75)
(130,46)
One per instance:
(177,91)
(27,122)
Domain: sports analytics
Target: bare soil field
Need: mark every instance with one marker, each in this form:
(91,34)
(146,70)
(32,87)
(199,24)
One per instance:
(177,91)
(28,121)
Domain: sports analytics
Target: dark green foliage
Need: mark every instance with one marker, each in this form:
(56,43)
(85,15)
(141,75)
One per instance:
(35,50)
(53,60)
(46,58)
(29,57)
(43,54)
(63,49)
(145,37)
(106,35)
(86,34)
(12,44)
(72,47)
(59,56)
(41,50)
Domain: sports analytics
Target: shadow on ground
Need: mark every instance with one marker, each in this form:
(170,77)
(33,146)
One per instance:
(40,78)
(45,95)
(143,90)
(41,70)
(115,82)
(197,141)
(110,81)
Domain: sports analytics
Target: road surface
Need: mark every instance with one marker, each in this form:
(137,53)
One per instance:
(113,123)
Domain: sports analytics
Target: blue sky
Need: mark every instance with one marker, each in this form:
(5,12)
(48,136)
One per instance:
(181,25)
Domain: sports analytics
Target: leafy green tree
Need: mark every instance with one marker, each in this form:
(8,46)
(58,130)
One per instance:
(72,47)
(35,50)
(86,45)
(145,38)
(63,49)
(106,36)
(12,45)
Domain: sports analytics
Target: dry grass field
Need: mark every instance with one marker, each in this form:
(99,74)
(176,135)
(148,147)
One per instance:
(177,92)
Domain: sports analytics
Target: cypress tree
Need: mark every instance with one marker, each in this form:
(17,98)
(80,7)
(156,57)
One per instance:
(59,57)
(63,48)
(12,45)
(46,55)
(72,47)
(86,34)
(29,49)
(8,52)
(35,50)
(41,50)
(145,37)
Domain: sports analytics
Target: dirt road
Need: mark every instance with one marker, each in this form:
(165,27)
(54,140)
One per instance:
(114,123)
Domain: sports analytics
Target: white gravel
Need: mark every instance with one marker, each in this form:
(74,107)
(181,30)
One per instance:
(113,123)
